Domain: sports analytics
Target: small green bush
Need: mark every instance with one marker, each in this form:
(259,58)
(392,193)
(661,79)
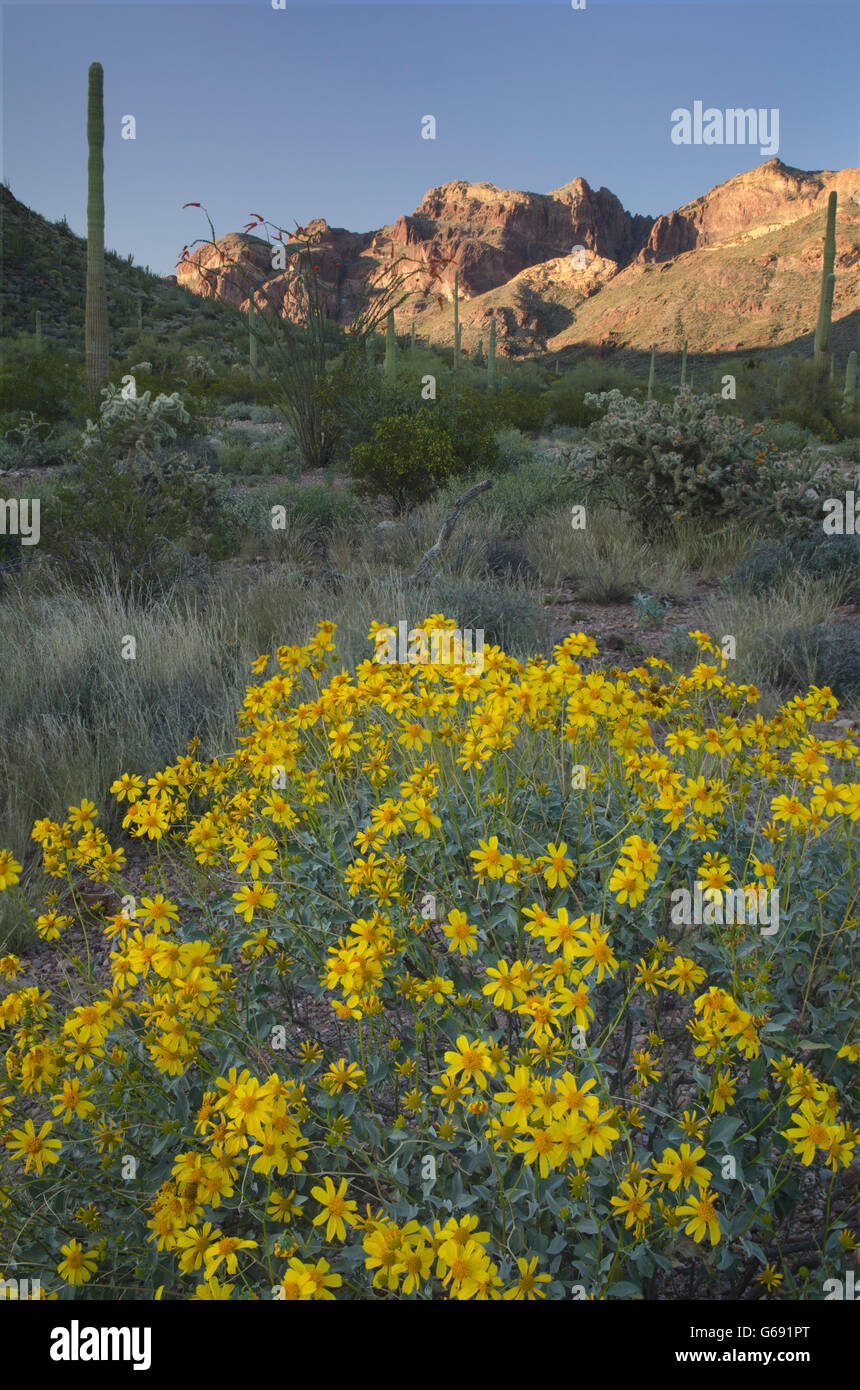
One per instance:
(514,449)
(408,458)
(827,654)
(510,617)
(524,410)
(816,557)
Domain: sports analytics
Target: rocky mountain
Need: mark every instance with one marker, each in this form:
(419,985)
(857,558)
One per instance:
(737,268)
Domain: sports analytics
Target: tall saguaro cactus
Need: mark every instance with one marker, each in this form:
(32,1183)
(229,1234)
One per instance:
(95,316)
(491,357)
(456,319)
(684,364)
(828,279)
(849,397)
(651,371)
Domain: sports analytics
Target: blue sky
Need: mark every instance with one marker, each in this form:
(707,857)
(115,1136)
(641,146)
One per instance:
(315,110)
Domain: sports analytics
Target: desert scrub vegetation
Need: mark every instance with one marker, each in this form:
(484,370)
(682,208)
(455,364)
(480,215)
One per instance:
(406,1009)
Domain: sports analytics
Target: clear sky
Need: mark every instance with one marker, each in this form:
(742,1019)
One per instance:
(315,110)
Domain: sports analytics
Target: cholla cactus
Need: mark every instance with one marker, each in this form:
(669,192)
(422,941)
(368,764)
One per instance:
(197,366)
(687,459)
(134,424)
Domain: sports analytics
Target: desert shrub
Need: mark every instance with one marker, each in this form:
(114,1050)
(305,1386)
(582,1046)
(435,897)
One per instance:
(785,435)
(33,443)
(523,410)
(321,509)
(565,396)
(505,557)
(407,459)
(514,449)
(243,452)
(566,407)
(815,556)
(827,654)
(509,616)
(51,383)
(795,391)
(140,520)
(650,610)
(257,414)
(426,1022)
(685,460)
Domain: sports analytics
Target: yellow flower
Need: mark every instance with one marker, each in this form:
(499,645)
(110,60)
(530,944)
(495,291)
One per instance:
(703,1221)
(527,1286)
(35,1149)
(682,1169)
(472,1061)
(78,1266)
(337,1211)
(558,869)
(460,933)
(10,869)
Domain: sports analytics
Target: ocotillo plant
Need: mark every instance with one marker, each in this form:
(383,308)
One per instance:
(491,357)
(95,315)
(825,306)
(252,335)
(651,371)
(456,319)
(684,364)
(849,396)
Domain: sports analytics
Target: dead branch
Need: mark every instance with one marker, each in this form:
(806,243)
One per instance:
(432,554)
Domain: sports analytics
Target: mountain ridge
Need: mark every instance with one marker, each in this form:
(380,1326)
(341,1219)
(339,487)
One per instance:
(542,264)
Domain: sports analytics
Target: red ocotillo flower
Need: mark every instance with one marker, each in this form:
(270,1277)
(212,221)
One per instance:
(191,205)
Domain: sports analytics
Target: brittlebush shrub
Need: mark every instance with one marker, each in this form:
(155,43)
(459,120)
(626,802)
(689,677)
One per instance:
(407,1010)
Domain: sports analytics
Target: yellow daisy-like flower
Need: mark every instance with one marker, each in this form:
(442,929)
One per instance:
(79,1264)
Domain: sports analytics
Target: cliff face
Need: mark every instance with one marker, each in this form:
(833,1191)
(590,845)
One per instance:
(762,199)
(747,250)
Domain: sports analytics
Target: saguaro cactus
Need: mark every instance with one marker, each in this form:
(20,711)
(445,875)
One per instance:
(95,316)
(849,395)
(491,357)
(684,364)
(38,330)
(390,365)
(456,319)
(651,371)
(828,279)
